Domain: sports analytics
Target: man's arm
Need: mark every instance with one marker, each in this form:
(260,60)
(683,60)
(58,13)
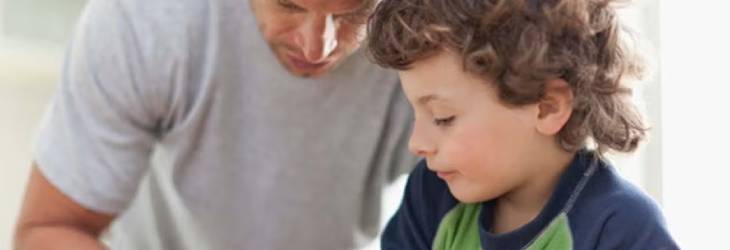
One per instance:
(51,220)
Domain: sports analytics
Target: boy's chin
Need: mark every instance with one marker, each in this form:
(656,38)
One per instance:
(468,196)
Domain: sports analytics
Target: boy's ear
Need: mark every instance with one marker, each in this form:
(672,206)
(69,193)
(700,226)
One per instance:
(555,108)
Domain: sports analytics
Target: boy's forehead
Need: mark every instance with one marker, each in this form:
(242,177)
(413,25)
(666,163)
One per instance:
(331,6)
(440,79)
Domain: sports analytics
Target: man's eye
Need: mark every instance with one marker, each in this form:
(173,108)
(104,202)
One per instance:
(354,18)
(342,16)
(442,122)
(289,5)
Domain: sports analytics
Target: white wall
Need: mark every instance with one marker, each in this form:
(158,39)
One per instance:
(696,117)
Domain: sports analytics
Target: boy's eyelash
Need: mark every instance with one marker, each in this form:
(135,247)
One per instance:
(442,122)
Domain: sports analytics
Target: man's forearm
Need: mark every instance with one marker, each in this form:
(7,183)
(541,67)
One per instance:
(56,237)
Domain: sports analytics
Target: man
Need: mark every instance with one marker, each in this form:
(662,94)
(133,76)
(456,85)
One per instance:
(257,124)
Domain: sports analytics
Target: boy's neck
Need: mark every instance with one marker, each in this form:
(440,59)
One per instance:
(521,205)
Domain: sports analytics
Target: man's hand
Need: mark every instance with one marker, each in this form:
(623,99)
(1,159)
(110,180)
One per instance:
(51,220)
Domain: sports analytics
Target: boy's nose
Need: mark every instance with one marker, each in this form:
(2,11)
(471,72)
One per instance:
(419,144)
(317,38)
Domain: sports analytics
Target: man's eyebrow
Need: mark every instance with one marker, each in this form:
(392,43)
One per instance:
(291,4)
(365,6)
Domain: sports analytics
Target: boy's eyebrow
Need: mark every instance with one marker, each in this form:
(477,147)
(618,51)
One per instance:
(423,100)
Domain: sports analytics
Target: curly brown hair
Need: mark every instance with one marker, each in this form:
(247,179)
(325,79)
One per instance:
(519,45)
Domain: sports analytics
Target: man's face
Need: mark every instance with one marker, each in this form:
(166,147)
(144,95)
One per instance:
(310,37)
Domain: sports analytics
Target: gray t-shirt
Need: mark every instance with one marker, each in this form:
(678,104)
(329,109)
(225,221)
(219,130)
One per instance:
(176,115)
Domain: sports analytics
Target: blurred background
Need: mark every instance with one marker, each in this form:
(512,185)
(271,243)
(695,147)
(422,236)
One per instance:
(33,34)
(686,99)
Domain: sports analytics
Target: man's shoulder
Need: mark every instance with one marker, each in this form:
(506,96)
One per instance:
(158,18)
(156,29)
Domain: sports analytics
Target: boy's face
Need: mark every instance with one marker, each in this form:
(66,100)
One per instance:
(479,146)
(310,37)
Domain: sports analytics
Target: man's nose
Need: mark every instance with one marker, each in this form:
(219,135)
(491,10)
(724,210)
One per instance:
(318,38)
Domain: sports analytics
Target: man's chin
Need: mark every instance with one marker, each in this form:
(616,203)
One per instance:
(305,69)
(309,73)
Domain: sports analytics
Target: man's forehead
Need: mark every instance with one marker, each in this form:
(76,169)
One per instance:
(332,6)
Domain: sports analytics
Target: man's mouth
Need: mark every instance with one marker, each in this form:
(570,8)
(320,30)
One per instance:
(303,64)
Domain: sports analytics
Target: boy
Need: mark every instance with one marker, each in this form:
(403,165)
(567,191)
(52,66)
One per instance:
(507,95)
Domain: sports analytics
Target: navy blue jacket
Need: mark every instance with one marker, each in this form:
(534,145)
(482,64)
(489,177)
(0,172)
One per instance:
(606,212)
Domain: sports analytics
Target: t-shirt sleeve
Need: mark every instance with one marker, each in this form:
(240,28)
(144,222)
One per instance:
(426,201)
(636,223)
(96,138)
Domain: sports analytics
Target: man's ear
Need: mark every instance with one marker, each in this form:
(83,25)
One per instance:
(555,108)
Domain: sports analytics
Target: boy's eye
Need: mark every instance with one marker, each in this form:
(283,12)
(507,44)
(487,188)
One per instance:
(443,122)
